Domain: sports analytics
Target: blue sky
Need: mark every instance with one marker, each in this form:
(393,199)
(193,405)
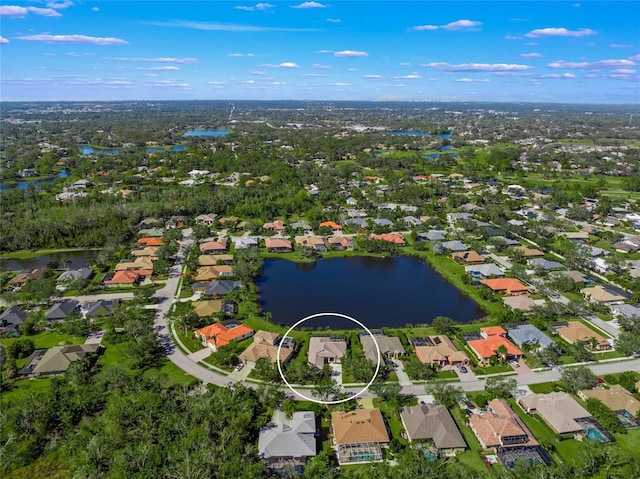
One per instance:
(586,51)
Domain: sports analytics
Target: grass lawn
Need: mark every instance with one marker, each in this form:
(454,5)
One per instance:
(446,375)
(176,375)
(474,461)
(47,339)
(393,419)
(543,388)
(630,441)
(498,368)
(189,341)
(471,457)
(25,388)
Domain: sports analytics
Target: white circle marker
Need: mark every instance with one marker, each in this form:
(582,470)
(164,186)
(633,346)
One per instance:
(319,401)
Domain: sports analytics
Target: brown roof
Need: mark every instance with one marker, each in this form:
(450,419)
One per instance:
(466,257)
(214,259)
(602,294)
(443,350)
(208,273)
(218,245)
(361,425)
(529,252)
(277,243)
(500,422)
(432,422)
(264,346)
(617,398)
(576,331)
(344,241)
(207,308)
(557,409)
(321,348)
(509,285)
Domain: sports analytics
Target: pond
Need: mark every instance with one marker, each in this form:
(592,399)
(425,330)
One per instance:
(392,291)
(67,259)
(206,133)
(86,150)
(22,185)
(419,133)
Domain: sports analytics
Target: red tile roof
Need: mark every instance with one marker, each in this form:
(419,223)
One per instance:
(510,285)
(486,348)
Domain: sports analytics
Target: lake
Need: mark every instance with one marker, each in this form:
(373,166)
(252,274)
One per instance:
(86,150)
(419,133)
(67,259)
(22,185)
(206,133)
(378,292)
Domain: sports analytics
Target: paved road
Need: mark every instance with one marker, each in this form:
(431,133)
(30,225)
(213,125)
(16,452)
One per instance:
(104,297)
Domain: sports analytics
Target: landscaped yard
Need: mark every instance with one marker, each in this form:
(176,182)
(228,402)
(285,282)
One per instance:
(47,339)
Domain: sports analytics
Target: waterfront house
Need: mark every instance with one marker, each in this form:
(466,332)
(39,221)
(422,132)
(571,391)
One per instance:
(508,286)
(390,346)
(278,245)
(265,345)
(325,350)
(439,351)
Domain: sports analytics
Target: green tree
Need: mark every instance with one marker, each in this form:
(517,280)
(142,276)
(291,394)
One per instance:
(497,387)
(579,377)
(445,393)
(444,325)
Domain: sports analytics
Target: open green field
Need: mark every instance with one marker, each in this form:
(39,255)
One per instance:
(47,339)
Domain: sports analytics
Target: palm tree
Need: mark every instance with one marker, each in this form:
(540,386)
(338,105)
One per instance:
(502,351)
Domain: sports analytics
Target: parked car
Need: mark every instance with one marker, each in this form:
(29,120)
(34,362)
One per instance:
(239,366)
(463,369)
(514,364)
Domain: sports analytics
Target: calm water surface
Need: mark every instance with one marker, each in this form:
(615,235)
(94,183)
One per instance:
(376,291)
(22,185)
(206,133)
(67,259)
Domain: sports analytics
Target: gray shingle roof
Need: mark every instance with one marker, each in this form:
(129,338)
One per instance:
(61,310)
(432,422)
(527,333)
(295,440)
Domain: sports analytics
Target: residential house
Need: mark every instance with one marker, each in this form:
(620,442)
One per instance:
(147,251)
(152,232)
(140,263)
(359,435)
(545,264)
(507,241)
(433,423)
(411,221)
(325,350)
(467,257)
(493,338)
(390,346)
(576,331)
(75,275)
(214,259)
(578,237)
(208,219)
(604,294)
(527,334)
(331,224)
(287,447)
(60,311)
(357,222)
(277,226)
(522,302)
(99,308)
(617,398)
(484,271)
(149,241)
(340,243)
(508,286)
(455,217)
(432,235)
(454,246)
(57,360)
(218,246)
(210,273)
(576,276)
(625,310)
(278,245)
(21,278)
(528,252)
(11,319)
(301,225)
(246,242)
(218,334)
(148,223)
(209,307)
(383,222)
(500,426)
(312,242)
(122,278)
(439,351)
(558,409)
(266,345)
(217,288)
(394,238)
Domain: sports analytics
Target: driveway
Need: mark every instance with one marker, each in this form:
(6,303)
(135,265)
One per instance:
(94,337)
(523,368)
(464,377)
(243,373)
(403,379)
(336,372)
(200,355)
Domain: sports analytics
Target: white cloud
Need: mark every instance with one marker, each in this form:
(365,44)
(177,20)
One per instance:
(557,75)
(635,57)
(60,5)
(625,71)
(257,73)
(95,9)
(73,39)
(325,51)
(352,69)
(282,65)
(166,68)
(350,53)
(532,44)
(246,9)
(226,27)
(471,80)
(177,61)
(478,67)
(413,76)
(240,55)
(309,5)
(215,83)
(461,24)
(592,65)
(618,45)
(421,28)
(457,25)
(372,77)
(167,84)
(15,11)
(258,6)
(531,55)
(75,54)
(339,84)
(319,66)
(576,5)
(333,20)
(3,40)
(118,82)
(513,37)
(405,64)
(560,32)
